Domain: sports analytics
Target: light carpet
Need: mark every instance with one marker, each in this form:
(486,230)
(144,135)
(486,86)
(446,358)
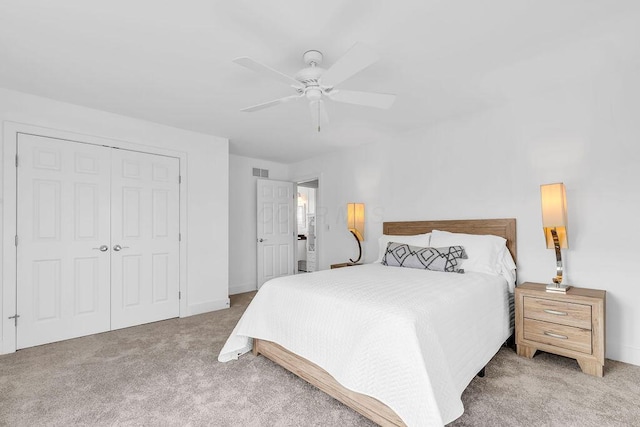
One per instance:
(166,373)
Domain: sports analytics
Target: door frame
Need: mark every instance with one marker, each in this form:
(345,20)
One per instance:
(320,216)
(8,255)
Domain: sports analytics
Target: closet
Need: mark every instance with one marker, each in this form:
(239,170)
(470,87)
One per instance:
(97,239)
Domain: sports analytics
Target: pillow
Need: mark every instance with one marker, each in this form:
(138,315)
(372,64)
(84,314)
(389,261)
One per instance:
(485,252)
(508,268)
(416,240)
(435,259)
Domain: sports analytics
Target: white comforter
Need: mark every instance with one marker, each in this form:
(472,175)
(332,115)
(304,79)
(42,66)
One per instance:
(412,339)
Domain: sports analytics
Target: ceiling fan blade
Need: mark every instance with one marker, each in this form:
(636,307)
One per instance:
(270,103)
(368,99)
(319,114)
(359,57)
(266,71)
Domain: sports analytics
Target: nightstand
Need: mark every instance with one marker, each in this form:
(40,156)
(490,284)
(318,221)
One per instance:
(343,264)
(570,324)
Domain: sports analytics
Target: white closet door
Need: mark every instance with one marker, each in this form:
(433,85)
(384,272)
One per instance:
(145,225)
(62,219)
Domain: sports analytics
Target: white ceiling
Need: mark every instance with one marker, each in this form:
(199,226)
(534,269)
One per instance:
(169,61)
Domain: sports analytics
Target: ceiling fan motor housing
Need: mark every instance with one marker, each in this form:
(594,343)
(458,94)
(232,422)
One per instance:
(309,78)
(310,75)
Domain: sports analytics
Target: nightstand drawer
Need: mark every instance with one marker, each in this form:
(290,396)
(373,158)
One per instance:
(568,337)
(561,312)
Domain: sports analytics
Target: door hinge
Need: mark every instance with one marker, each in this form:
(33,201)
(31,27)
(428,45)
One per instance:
(179,237)
(16,160)
(179,295)
(179,179)
(15,318)
(16,240)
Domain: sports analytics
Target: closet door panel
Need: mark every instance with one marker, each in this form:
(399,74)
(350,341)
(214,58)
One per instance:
(63,212)
(145,233)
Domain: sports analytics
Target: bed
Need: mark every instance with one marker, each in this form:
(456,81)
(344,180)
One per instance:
(398,345)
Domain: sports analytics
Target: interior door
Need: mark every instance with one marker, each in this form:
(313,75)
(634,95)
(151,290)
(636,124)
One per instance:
(63,216)
(275,229)
(144,238)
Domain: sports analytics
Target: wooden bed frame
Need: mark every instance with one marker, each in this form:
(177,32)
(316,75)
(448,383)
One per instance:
(372,408)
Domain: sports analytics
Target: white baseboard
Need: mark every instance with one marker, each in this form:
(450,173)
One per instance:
(623,353)
(242,288)
(4,350)
(208,306)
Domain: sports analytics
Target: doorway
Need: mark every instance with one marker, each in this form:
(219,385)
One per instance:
(306,215)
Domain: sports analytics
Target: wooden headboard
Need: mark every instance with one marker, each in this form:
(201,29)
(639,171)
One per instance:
(505,227)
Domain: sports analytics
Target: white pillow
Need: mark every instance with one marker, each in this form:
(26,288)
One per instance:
(415,240)
(485,252)
(508,268)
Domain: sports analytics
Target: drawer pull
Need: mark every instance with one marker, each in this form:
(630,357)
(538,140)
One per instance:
(552,335)
(557,313)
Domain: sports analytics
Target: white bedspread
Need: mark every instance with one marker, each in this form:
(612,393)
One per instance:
(412,339)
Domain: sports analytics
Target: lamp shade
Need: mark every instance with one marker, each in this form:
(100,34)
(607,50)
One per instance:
(554,213)
(355,219)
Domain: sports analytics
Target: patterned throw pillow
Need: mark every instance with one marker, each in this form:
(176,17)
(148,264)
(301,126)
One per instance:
(436,259)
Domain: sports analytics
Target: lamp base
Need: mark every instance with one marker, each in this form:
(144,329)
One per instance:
(557,287)
(359,249)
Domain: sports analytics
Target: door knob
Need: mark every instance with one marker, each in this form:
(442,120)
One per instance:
(262,240)
(103,248)
(118,248)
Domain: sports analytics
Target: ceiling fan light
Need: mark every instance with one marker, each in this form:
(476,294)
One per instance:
(313,94)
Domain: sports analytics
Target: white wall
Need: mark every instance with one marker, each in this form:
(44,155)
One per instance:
(352,175)
(242,219)
(206,189)
(585,133)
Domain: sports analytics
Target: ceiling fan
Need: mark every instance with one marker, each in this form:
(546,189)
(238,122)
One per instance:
(317,84)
